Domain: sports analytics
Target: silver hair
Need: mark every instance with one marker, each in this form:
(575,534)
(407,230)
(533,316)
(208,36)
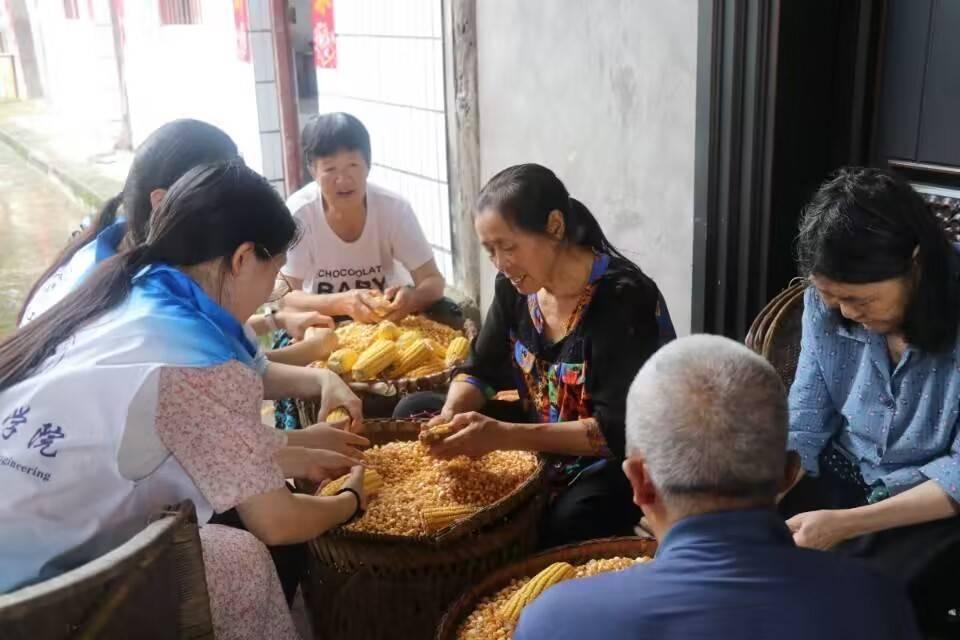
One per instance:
(709,418)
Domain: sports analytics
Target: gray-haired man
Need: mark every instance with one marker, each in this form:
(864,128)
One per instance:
(706,446)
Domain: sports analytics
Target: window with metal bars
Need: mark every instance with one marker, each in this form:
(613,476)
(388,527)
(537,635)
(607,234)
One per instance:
(70,10)
(180,12)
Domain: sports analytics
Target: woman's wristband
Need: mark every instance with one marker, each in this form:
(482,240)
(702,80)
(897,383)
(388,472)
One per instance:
(358,512)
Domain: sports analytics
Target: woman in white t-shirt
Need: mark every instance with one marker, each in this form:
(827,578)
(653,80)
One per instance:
(357,237)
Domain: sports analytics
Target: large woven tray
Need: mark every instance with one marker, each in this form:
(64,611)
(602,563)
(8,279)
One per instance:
(380,406)
(363,586)
(383,431)
(574,554)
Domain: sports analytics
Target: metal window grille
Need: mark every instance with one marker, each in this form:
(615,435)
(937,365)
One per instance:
(390,75)
(180,12)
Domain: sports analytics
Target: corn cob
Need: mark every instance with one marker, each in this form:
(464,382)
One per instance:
(381,306)
(377,357)
(407,338)
(337,415)
(341,361)
(441,517)
(557,572)
(425,370)
(437,433)
(386,330)
(412,357)
(457,351)
(372,483)
(438,350)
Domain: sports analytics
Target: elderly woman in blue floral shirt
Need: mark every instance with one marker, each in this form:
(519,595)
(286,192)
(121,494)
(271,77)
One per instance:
(875,403)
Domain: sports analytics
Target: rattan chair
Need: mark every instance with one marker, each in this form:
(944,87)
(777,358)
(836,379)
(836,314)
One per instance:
(151,587)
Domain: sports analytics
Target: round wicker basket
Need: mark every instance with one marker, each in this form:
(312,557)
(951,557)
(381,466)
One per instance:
(575,554)
(406,583)
(382,406)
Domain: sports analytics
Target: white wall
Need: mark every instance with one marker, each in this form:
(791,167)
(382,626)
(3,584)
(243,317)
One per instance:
(78,63)
(603,93)
(190,71)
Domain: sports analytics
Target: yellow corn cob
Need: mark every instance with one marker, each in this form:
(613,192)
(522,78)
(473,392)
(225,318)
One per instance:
(407,338)
(372,483)
(437,433)
(437,518)
(386,330)
(412,357)
(338,415)
(342,360)
(457,351)
(377,357)
(425,370)
(557,572)
(438,350)
(381,306)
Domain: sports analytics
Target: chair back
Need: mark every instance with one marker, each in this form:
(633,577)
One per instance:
(152,587)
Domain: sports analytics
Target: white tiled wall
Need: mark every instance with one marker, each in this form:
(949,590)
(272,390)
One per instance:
(390,75)
(265,82)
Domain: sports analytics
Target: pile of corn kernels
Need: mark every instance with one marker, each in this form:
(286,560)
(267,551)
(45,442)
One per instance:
(414,481)
(485,623)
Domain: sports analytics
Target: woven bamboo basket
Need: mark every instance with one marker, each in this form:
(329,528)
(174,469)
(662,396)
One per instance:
(382,406)
(579,553)
(153,587)
(364,586)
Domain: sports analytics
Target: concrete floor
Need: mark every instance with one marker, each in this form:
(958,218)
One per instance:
(36,219)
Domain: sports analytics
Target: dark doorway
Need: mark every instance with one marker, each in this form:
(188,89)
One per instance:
(786,95)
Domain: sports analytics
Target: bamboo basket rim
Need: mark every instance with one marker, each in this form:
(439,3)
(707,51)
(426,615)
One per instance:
(464,605)
(118,563)
(479,520)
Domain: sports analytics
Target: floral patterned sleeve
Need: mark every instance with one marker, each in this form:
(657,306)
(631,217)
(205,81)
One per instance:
(209,419)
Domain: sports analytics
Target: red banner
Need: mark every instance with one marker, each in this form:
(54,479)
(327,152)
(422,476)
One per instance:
(241,22)
(324,35)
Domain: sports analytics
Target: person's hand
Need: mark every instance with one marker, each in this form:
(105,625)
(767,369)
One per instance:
(445,416)
(331,438)
(360,305)
(822,529)
(335,393)
(402,303)
(474,435)
(355,482)
(316,465)
(296,323)
(319,344)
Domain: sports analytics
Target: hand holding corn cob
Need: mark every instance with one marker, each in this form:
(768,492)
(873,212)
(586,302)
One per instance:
(366,482)
(315,465)
(330,438)
(335,393)
(362,305)
(467,434)
(436,433)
